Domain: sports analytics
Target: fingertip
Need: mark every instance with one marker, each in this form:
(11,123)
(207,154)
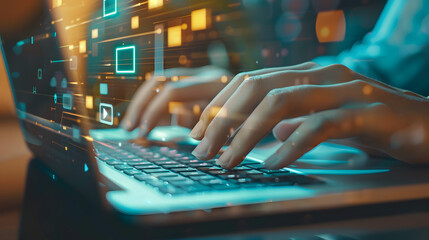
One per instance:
(197,131)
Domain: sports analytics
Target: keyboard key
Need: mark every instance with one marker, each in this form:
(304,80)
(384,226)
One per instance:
(225,186)
(114,162)
(123,167)
(147,167)
(132,172)
(212,182)
(188,174)
(174,166)
(202,177)
(163,174)
(203,164)
(183,169)
(155,170)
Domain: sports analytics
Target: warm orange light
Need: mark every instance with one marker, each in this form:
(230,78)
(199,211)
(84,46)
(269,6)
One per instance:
(89,102)
(174,107)
(155,4)
(82,46)
(94,33)
(135,22)
(199,19)
(331,26)
(175,36)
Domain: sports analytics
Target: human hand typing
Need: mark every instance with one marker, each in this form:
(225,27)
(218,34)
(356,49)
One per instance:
(307,105)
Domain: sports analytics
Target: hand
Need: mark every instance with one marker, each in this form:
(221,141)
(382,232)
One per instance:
(320,103)
(151,101)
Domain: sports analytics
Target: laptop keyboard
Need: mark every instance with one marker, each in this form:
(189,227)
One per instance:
(175,172)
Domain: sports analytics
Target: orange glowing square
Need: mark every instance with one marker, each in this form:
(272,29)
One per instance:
(174,107)
(89,102)
(331,26)
(151,4)
(199,19)
(82,46)
(94,33)
(57,3)
(175,36)
(135,22)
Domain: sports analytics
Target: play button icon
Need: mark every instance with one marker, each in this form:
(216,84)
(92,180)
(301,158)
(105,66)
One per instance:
(106,113)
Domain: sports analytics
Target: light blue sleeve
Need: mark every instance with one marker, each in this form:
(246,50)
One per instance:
(397,50)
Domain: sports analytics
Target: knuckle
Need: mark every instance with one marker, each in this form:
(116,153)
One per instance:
(360,83)
(254,82)
(311,64)
(321,124)
(276,97)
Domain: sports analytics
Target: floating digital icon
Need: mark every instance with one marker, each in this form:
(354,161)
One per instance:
(55,98)
(67,101)
(106,113)
(39,73)
(73,62)
(104,90)
(126,59)
(110,7)
(64,83)
(34,90)
(76,134)
(53,82)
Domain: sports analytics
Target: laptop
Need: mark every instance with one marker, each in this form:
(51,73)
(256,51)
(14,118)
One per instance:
(68,111)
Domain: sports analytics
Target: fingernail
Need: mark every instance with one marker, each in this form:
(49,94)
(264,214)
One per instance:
(271,162)
(225,159)
(125,124)
(202,150)
(197,131)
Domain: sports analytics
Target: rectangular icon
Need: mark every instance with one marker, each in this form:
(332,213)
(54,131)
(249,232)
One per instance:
(110,7)
(126,59)
(39,73)
(104,90)
(175,36)
(106,113)
(67,101)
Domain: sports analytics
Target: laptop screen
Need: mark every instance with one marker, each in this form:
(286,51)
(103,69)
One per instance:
(49,99)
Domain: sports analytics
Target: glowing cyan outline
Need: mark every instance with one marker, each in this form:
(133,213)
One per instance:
(104,8)
(100,114)
(134,59)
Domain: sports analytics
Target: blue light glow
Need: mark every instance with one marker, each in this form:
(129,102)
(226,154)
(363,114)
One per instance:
(123,50)
(115,8)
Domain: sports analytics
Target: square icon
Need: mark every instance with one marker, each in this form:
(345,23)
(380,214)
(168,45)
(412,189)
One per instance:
(199,19)
(110,7)
(135,22)
(104,90)
(175,36)
(106,113)
(155,4)
(67,101)
(126,59)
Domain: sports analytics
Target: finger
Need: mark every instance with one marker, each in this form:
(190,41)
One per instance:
(331,124)
(175,92)
(288,103)
(208,113)
(249,95)
(148,90)
(286,127)
(139,102)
